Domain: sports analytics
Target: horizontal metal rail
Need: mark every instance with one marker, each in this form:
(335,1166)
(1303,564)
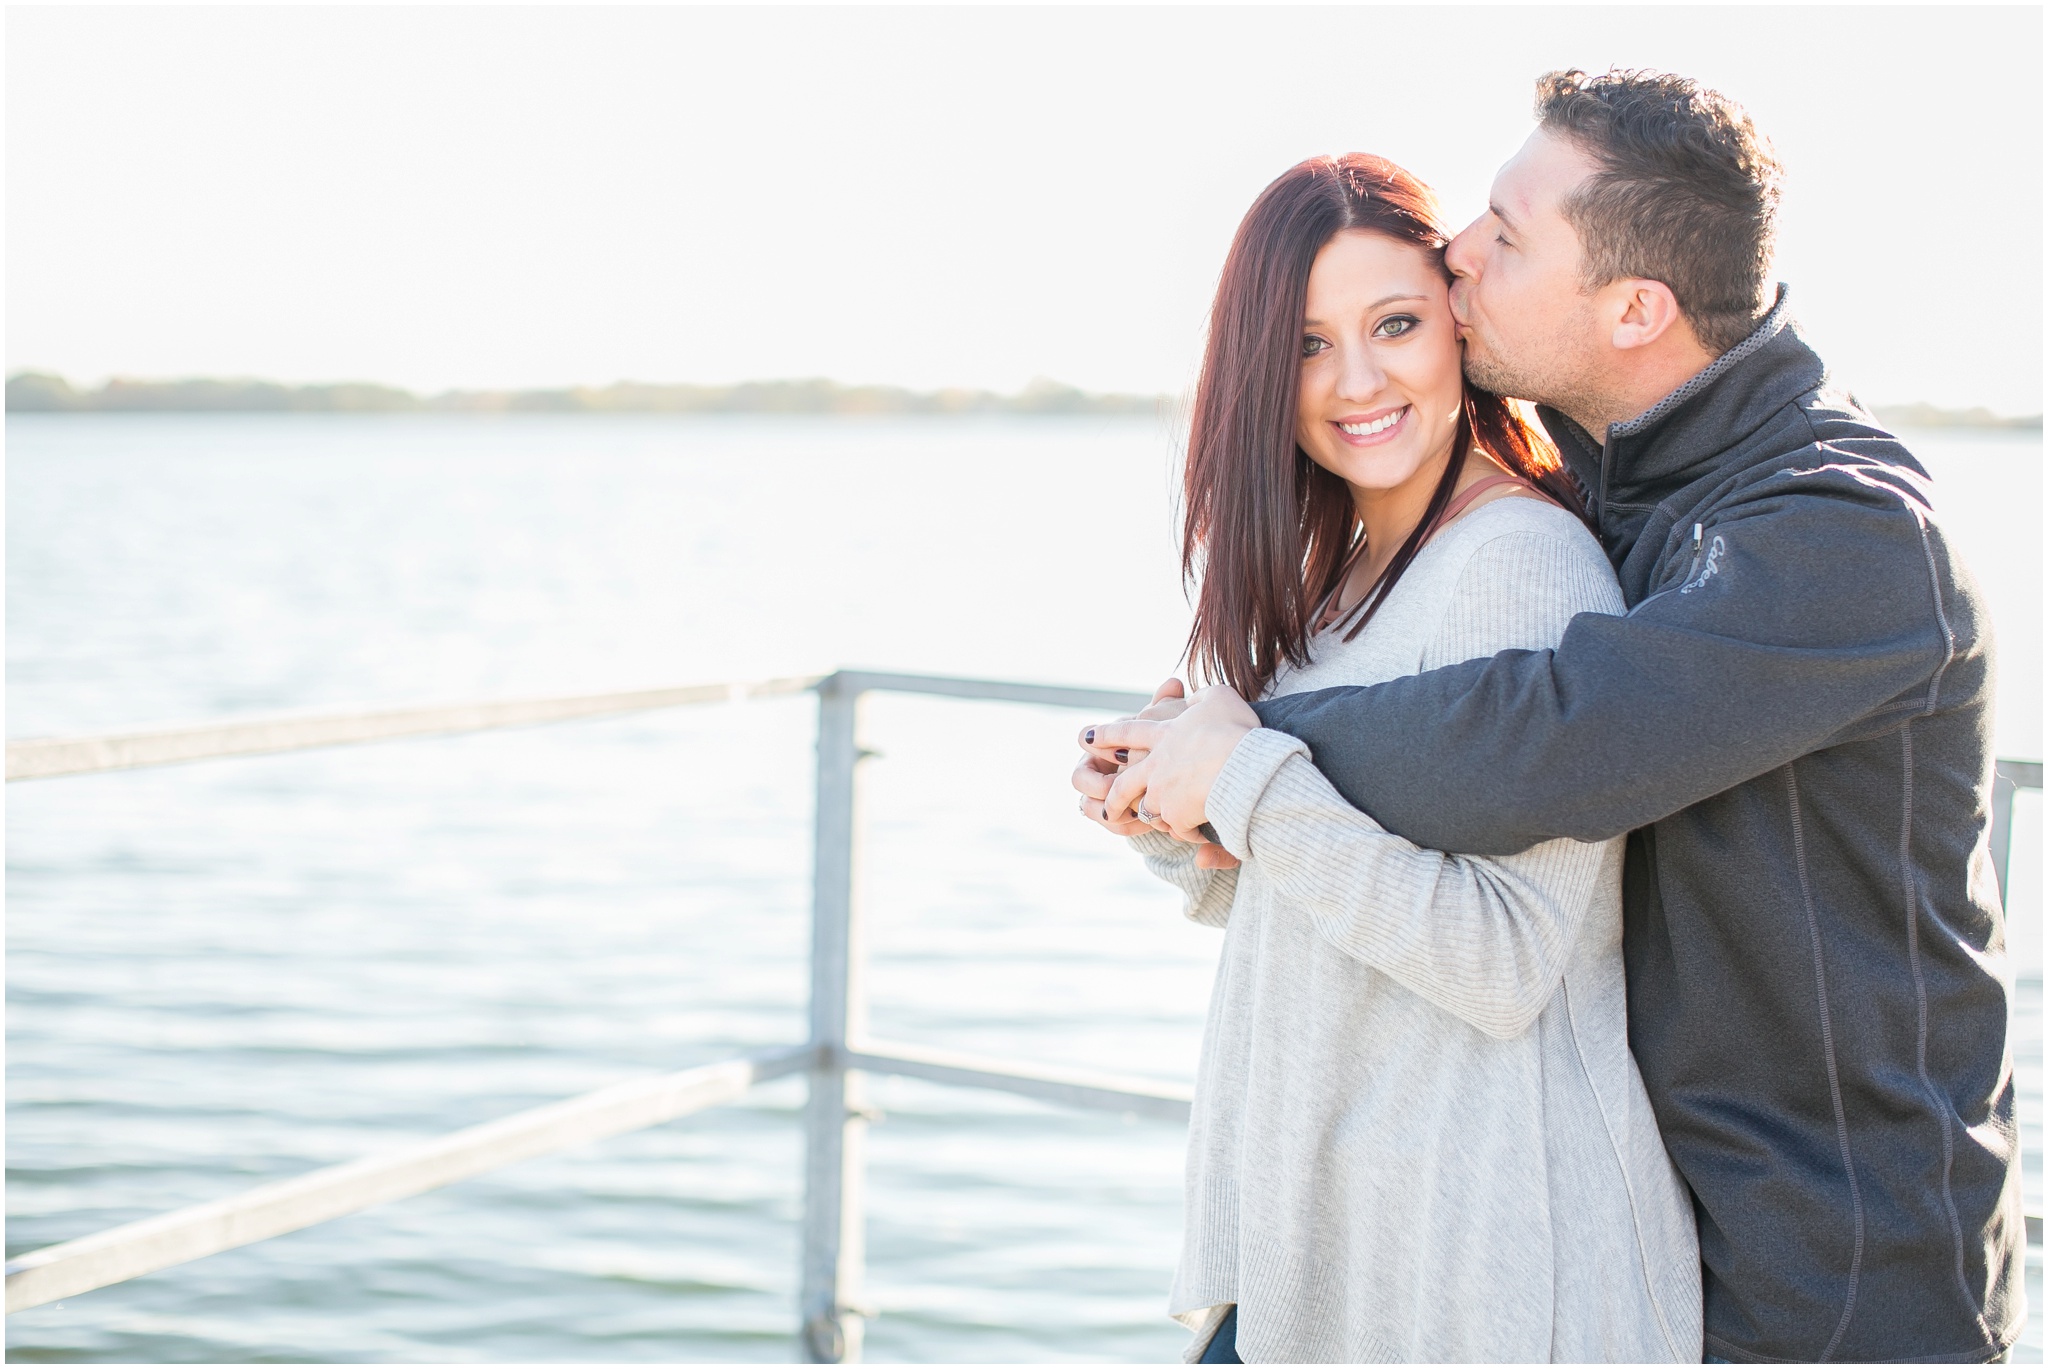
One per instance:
(1007,691)
(50,757)
(41,758)
(143,1247)
(1074,1088)
(124,1252)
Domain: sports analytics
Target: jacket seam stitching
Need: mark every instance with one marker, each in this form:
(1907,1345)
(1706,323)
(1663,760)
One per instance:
(1827,1038)
(1909,887)
(1891,717)
(1948,635)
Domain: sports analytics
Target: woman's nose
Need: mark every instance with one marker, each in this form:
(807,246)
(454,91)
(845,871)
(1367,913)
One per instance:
(1361,377)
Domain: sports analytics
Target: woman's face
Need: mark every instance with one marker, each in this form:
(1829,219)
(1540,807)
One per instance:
(1381,378)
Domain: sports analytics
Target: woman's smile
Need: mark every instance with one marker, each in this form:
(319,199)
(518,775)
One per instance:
(1371,429)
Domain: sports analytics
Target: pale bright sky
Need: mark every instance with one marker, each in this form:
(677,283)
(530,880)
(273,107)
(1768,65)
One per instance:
(511,197)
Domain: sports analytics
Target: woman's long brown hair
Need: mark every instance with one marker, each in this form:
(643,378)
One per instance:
(1267,531)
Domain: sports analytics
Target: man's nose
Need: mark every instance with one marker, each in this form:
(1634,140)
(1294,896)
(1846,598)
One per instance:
(1462,256)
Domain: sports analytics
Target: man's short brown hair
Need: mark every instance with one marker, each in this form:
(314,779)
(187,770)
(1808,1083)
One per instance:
(1686,192)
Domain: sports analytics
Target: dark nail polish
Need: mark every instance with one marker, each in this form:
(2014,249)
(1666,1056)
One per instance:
(1089,736)
(1122,755)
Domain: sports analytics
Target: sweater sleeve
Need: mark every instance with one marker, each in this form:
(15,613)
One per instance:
(1485,938)
(1209,893)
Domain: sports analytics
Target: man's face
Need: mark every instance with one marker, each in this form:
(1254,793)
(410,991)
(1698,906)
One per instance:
(1528,323)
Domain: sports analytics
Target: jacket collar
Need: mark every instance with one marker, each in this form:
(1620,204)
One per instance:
(1699,423)
(1773,324)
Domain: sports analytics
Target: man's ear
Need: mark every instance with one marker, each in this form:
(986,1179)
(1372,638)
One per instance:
(1648,311)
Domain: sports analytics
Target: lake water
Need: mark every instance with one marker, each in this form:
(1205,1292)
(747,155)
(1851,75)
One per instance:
(226,973)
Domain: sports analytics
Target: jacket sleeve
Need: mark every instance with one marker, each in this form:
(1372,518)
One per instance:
(1814,610)
(1209,893)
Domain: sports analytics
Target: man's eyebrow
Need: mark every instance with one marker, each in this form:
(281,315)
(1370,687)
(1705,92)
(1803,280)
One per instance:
(1494,209)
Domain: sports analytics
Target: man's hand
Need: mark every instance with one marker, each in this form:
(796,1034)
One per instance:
(1173,764)
(1100,764)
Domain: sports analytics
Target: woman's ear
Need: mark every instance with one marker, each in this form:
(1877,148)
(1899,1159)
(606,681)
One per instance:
(1648,311)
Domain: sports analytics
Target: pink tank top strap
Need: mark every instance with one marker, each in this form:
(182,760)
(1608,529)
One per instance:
(1463,499)
(1328,614)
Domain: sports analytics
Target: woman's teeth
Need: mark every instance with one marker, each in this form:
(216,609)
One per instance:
(1378,425)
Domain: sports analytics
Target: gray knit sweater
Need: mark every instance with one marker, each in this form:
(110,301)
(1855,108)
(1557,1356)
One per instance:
(1418,1133)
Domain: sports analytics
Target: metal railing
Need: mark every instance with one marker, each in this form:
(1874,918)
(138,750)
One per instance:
(837,1055)
(2009,779)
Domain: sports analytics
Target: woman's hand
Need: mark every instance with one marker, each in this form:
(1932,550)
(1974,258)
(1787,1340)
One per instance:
(1100,763)
(1172,765)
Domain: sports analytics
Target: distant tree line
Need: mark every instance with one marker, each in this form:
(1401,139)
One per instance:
(37,392)
(1928,416)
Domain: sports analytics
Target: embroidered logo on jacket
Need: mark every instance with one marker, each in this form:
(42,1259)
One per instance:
(1709,565)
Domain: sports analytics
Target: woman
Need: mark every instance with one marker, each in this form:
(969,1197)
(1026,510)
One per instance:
(1417,1132)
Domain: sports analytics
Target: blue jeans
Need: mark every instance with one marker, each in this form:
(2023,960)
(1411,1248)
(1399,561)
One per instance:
(1223,1345)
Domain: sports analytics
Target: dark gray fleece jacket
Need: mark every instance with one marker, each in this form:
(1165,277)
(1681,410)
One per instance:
(1793,722)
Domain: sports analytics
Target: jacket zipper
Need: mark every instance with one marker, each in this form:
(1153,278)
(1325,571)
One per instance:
(1600,497)
(1699,536)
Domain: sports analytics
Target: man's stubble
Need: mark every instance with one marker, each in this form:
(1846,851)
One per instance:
(1556,373)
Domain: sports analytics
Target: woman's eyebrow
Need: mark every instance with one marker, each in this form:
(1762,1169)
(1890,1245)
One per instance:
(1376,304)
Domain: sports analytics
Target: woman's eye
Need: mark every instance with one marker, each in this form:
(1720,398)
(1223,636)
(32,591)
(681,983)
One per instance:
(1396,326)
(1313,346)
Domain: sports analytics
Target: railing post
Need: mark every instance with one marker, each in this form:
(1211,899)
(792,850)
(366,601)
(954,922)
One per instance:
(833,1116)
(2007,779)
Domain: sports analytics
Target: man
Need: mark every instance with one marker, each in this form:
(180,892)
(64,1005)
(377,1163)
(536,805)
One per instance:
(1793,722)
